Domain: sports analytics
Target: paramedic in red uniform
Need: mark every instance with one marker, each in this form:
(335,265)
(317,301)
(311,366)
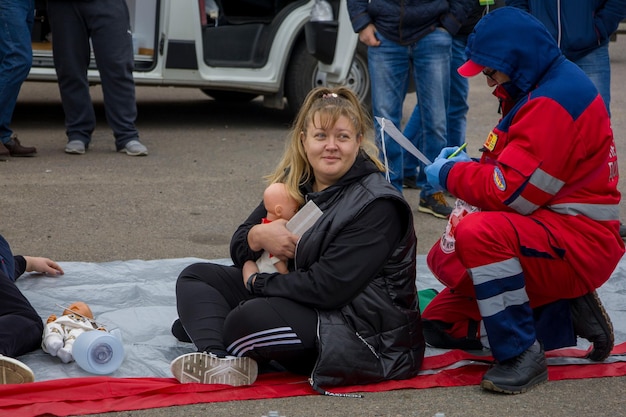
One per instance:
(543,235)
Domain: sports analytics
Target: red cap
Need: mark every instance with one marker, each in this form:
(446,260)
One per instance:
(470,69)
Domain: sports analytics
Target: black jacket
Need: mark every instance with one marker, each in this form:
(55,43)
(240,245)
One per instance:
(407,21)
(369,327)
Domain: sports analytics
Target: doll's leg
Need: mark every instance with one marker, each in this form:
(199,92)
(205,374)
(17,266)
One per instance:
(65,353)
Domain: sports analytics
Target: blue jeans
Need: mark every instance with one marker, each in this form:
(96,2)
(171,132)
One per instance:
(389,65)
(16,56)
(457,110)
(597,66)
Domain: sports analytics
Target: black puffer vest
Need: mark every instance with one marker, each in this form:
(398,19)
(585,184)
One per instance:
(378,335)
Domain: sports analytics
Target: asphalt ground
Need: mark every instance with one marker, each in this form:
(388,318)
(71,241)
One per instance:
(203,176)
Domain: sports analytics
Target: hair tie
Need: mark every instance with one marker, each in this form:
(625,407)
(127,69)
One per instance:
(329,95)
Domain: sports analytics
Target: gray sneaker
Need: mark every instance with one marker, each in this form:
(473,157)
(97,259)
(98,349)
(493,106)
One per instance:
(207,368)
(75,147)
(135,148)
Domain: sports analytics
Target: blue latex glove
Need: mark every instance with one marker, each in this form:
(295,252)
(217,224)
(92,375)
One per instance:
(446,152)
(437,172)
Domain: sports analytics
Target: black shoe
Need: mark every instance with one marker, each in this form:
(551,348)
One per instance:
(15,148)
(622,230)
(179,332)
(592,322)
(436,205)
(410,182)
(436,336)
(518,374)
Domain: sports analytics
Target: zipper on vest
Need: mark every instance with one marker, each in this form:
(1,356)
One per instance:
(312,381)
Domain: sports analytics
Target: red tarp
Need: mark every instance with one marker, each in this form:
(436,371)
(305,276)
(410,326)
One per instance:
(75,396)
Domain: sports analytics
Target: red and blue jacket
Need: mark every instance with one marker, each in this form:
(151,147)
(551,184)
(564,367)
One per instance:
(552,156)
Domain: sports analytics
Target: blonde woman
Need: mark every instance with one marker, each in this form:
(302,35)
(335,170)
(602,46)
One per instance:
(347,311)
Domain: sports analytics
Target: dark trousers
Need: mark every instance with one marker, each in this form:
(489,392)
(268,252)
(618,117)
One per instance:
(221,316)
(107,24)
(21,328)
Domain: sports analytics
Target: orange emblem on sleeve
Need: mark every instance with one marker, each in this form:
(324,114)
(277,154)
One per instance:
(491,141)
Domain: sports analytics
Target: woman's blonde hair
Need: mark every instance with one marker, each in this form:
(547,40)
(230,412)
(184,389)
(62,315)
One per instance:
(331,104)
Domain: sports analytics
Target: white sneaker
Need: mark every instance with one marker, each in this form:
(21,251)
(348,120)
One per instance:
(135,148)
(206,368)
(13,371)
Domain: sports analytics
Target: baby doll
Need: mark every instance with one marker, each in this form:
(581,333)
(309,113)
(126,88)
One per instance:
(279,205)
(60,332)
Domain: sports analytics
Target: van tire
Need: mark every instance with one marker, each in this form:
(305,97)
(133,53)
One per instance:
(302,77)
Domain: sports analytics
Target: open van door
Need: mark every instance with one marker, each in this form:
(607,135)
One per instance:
(342,59)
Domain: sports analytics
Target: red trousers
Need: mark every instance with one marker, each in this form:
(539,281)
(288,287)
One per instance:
(483,238)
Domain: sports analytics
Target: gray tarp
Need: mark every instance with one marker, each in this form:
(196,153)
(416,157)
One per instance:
(137,297)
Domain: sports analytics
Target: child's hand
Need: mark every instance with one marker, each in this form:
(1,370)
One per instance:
(43,265)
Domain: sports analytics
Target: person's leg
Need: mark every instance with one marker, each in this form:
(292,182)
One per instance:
(597,65)
(450,319)
(109,26)
(431,71)
(503,302)
(21,328)
(459,91)
(388,67)
(71,52)
(411,130)
(205,294)
(516,265)
(526,272)
(273,329)
(16,21)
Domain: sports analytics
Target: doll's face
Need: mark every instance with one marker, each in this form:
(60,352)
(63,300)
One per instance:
(80,308)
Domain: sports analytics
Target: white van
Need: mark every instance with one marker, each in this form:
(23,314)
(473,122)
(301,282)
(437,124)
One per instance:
(232,50)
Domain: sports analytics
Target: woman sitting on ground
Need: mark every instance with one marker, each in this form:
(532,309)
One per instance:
(347,311)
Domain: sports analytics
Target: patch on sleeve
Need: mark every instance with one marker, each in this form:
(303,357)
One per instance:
(491,141)
(498,179)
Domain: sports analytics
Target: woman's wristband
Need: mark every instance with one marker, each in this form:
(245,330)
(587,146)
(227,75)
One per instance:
(250,282)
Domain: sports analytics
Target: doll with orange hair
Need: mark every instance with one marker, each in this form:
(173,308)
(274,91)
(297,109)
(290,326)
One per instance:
(60,332)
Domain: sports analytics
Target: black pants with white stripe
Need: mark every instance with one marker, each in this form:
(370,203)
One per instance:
(221,316)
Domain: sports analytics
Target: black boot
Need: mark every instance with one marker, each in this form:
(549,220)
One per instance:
(518,374)
(592,322)
(179,332)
